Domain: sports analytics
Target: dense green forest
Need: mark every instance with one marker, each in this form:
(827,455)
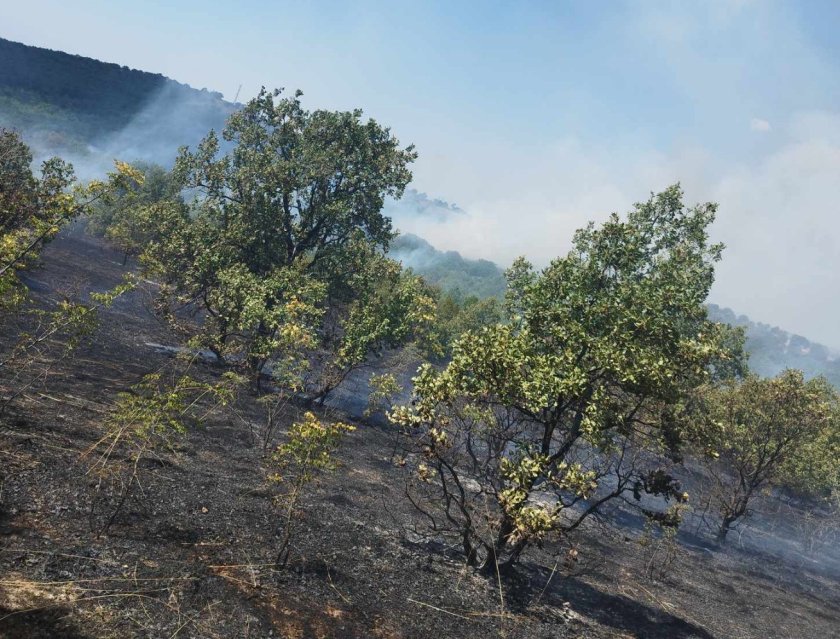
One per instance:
(448,269)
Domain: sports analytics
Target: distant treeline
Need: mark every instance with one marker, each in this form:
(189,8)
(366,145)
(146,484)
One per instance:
(772,349)
(448,269)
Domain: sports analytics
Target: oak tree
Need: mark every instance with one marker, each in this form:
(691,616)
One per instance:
(581,397)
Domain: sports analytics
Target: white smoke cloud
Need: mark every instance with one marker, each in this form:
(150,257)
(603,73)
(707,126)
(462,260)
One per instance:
(779,216)
(172,117)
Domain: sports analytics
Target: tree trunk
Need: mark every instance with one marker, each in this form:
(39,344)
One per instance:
(724,530)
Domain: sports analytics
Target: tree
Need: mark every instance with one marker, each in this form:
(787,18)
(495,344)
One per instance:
(307,453)
(768,432)
(127,218)
(148,418)
(582,397)
(282,217)
(373,306)
(32,211)
(456,316)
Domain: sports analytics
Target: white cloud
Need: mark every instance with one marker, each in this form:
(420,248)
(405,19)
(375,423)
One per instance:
(757,124)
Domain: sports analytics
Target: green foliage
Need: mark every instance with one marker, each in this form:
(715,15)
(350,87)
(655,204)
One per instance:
(776,430)
(297,184)
(68,324)
(156,411)
(307,453)
(32,211)
(374,307)
(148,420)
(602,350)
(814,468)
(279,252)
(448,270)
(456,316)
(129,216)
(383,391)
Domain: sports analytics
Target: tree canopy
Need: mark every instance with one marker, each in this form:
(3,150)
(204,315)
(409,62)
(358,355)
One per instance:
(284,229)
(601,351)
(771,430)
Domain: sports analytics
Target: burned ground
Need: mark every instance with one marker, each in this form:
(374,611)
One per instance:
(192,555)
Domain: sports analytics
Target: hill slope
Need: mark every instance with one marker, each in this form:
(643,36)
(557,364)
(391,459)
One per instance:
(191,554)
(84,108)
(448,269)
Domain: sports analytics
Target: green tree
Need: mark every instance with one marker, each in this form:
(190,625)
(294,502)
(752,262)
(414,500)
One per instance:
(128,216)
(582,397)
(374,305)
(32,211)
(307,453)
(775,430)
(457,315)
(146,420)
(290,214)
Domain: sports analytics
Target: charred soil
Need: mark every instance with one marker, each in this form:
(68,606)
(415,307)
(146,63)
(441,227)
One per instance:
(190,553)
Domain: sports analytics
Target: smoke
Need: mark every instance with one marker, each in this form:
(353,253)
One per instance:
(777,215)
(174,116)
(778,201)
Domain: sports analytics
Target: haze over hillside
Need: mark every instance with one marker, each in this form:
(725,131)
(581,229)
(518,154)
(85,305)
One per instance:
(90,112)
(538,117)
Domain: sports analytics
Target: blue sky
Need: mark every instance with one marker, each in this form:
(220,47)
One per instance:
(536,117)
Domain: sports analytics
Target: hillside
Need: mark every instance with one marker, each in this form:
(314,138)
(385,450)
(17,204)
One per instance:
(773,349)
(213,423)
(85,109)
(448,269)
(191,555)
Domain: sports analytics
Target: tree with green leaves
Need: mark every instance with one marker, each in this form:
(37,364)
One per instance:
(770,431)
(457,315)
(287,222)
(127,218)
(374,306)
(307,453)
(33,209)
(582,397)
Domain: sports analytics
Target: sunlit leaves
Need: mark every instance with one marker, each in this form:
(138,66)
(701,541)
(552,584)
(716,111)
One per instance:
(603,349)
